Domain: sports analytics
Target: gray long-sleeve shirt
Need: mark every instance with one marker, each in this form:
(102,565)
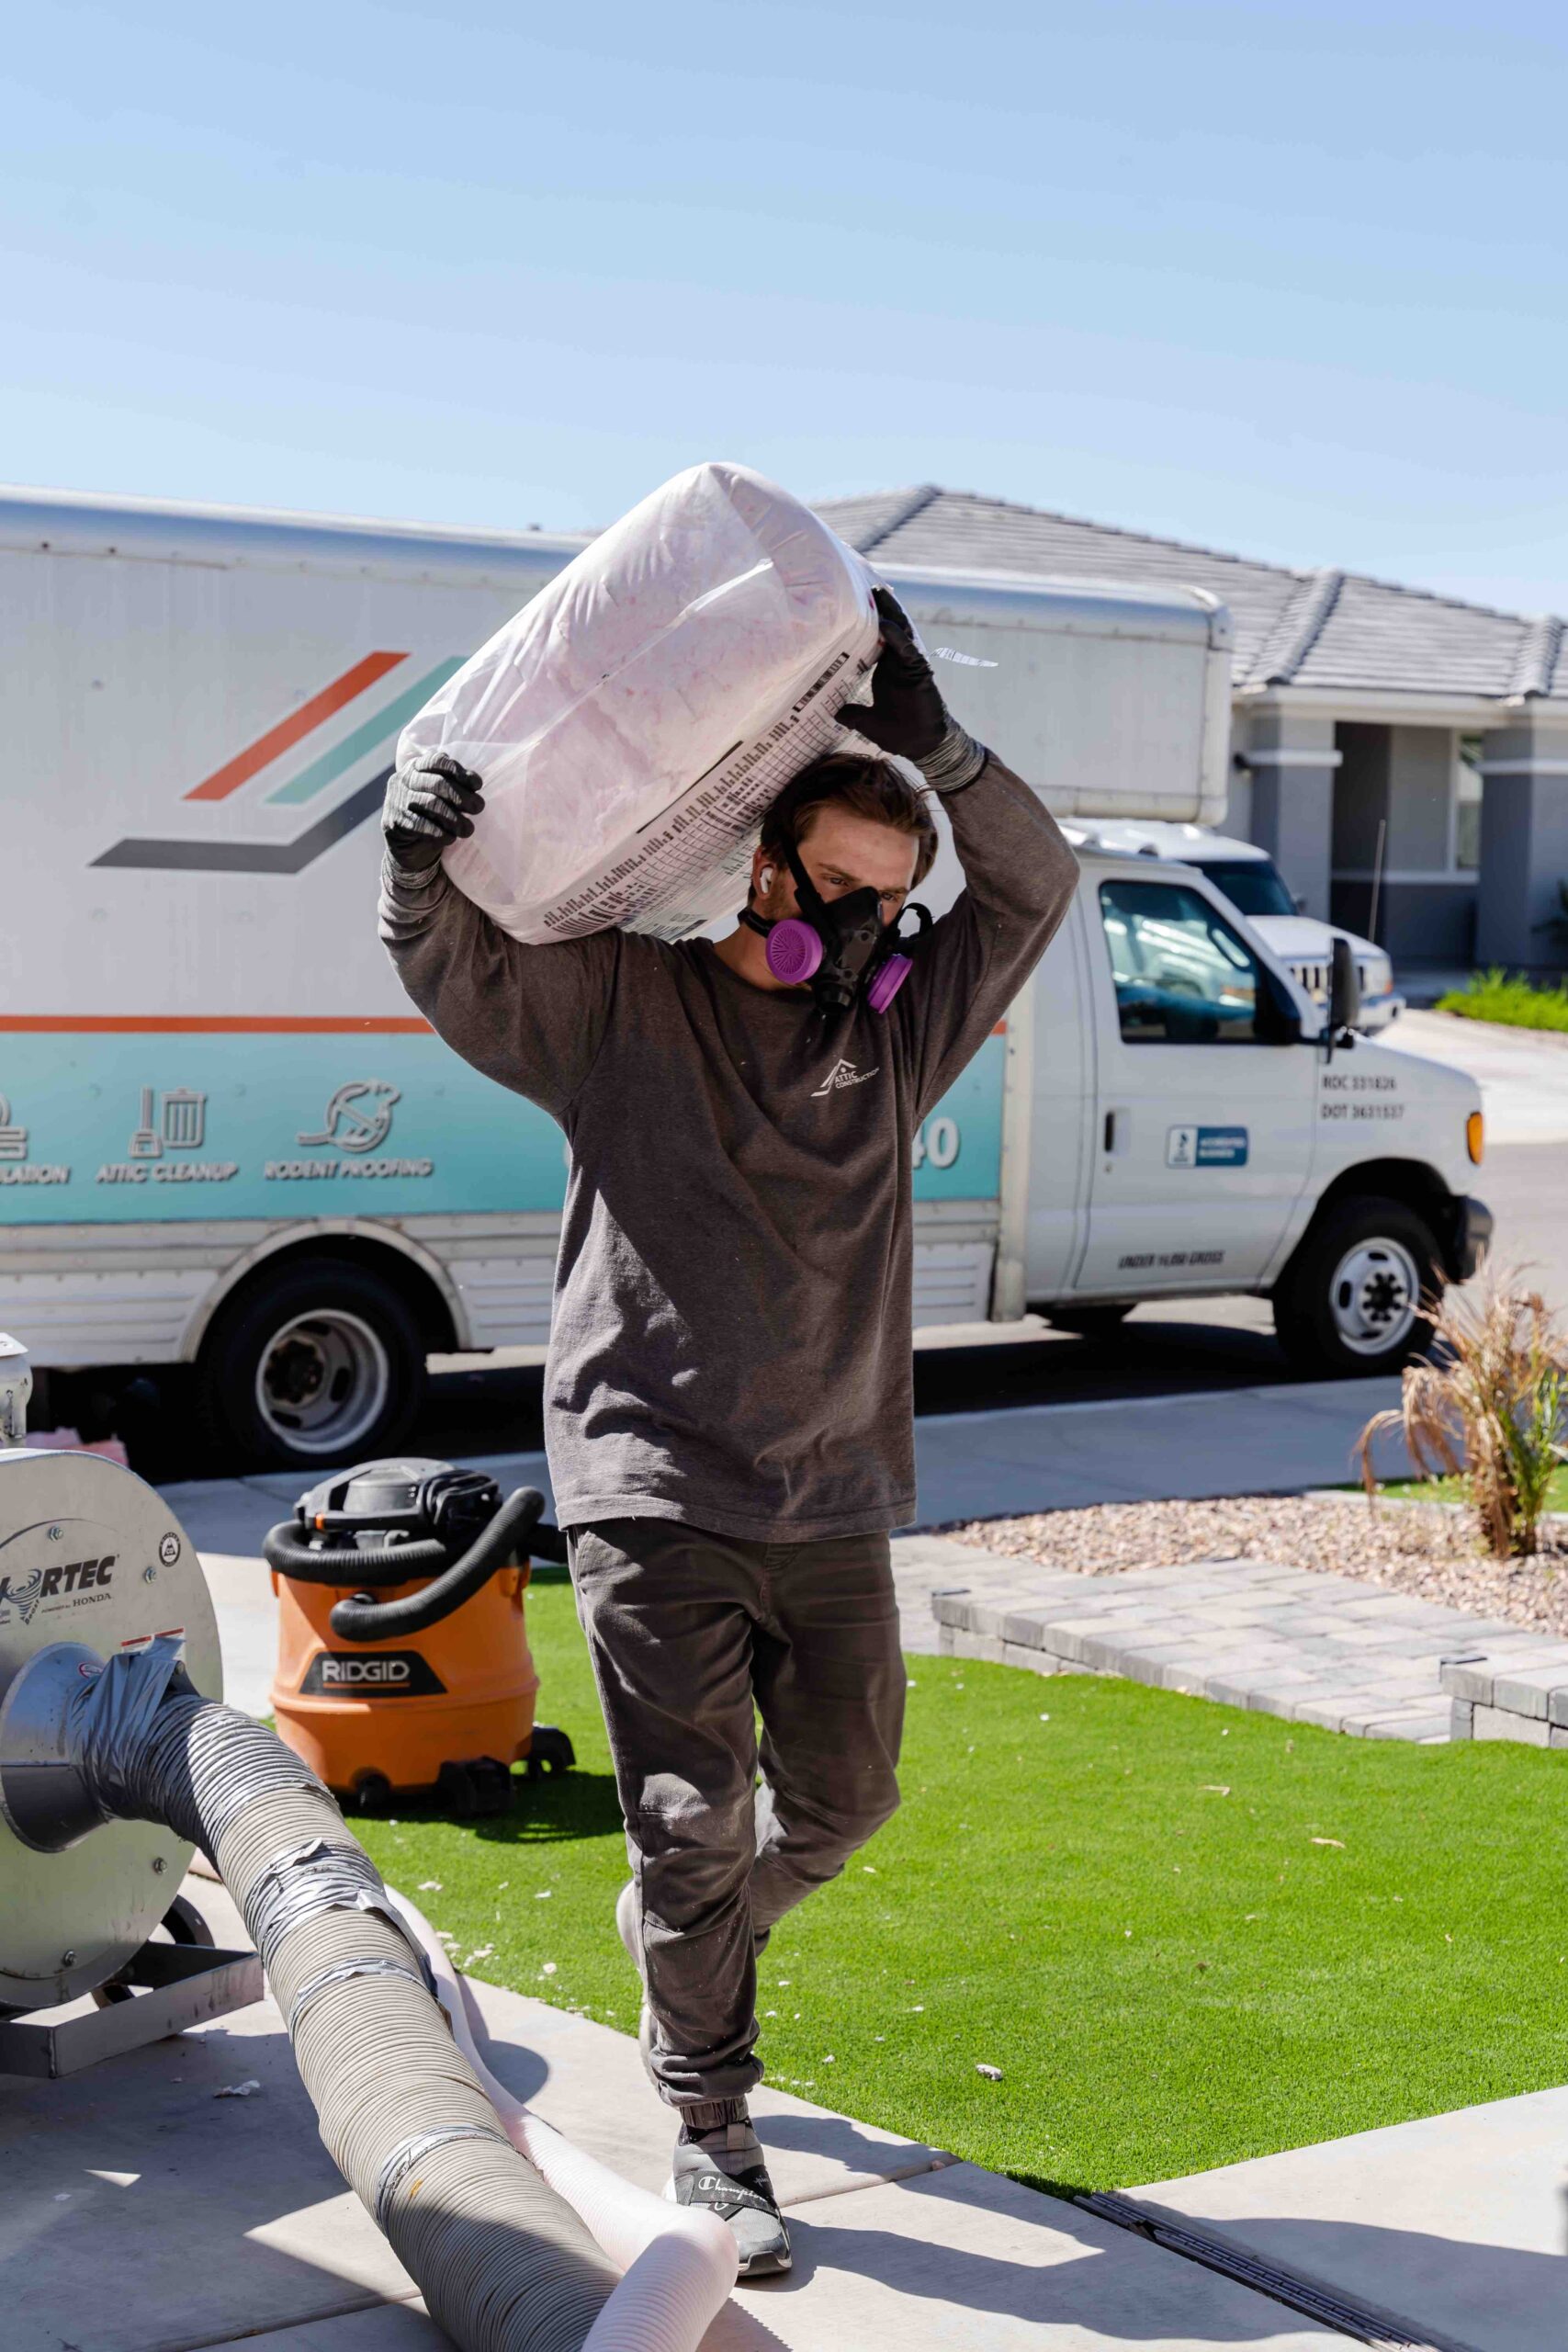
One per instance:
(730,1344)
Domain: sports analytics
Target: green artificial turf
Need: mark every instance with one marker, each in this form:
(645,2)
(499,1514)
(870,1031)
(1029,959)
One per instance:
(1494,996)
(1185,1934)
(1453,1490)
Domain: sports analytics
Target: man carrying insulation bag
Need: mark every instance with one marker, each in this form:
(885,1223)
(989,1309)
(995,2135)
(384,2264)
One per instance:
(729,1395)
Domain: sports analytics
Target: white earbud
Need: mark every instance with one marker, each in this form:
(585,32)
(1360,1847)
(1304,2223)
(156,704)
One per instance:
(765,880)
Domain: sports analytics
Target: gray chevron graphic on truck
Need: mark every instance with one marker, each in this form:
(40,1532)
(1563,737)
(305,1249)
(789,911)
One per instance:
(254,857)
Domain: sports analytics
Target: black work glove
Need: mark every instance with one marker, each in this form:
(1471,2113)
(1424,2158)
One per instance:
(429,803)
(908,715)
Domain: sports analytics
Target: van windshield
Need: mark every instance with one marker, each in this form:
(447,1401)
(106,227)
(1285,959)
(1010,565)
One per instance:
(1253,885)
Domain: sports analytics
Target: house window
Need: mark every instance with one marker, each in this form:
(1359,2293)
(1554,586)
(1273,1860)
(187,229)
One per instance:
(1468,782)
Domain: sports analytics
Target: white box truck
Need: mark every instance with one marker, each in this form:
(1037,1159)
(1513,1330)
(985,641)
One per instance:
(226,1138)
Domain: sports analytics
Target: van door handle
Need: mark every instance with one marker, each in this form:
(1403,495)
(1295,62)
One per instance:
(1116,1131)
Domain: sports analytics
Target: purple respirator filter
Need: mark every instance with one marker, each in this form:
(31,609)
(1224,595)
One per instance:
(794,950)
(888,979)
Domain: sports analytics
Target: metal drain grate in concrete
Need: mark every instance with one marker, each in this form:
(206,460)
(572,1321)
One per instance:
(1362,2322)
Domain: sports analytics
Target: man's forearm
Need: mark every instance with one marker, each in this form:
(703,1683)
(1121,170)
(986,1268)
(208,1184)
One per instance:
(408,903)
(1019,869)
(529,1017)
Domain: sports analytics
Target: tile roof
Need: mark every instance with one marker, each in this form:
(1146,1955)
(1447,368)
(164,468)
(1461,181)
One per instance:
(1307,629)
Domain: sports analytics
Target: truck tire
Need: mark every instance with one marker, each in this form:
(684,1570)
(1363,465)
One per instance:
(1088,1322)
(1348,1305)
(318,1363)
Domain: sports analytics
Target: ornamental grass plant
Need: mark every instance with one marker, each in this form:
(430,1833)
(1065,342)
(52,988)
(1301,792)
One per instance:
(1487,1405)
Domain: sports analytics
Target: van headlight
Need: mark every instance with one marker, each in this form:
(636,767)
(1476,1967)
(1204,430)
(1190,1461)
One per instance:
(1377,975)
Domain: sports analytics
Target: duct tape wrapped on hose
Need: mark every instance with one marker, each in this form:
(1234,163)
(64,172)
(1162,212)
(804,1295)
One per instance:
(516,2240)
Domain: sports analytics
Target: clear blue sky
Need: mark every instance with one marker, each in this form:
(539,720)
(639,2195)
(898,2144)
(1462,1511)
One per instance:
(1284,279)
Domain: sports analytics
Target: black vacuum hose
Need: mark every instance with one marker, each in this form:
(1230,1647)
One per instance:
(376,1564)
(547,1543)
(363,1619)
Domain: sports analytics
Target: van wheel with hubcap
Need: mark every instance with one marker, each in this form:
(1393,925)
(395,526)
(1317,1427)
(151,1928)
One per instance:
(314,1364)
(1348,1305)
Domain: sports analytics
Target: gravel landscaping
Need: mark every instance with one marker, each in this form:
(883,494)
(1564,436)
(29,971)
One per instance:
(1418,1548)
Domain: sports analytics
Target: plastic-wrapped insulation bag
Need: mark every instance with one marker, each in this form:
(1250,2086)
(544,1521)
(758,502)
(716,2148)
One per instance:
(633,721)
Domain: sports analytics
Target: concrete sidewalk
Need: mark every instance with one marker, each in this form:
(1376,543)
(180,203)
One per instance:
(1454,2226)
(1270,1440)
(144,2213)
(1522,1073)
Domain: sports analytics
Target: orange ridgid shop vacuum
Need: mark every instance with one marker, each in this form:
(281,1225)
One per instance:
(403,1646)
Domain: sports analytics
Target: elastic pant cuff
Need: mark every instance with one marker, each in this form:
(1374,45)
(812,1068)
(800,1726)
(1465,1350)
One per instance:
(714,2114)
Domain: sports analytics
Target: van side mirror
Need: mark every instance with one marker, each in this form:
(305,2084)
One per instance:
(1344,990)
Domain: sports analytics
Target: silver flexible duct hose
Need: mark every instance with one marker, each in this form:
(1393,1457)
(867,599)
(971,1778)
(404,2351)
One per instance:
(503,2261)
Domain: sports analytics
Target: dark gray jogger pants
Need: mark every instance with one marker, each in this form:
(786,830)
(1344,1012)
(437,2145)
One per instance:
(687,1630)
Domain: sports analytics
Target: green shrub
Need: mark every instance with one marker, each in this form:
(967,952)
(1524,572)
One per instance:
(1494,996)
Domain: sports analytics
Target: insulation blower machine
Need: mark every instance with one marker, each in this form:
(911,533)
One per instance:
(403,1647)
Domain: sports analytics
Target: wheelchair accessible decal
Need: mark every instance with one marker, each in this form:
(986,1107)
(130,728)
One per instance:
(1205,1147)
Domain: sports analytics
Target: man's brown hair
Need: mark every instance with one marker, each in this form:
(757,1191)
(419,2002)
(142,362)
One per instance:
(870,786)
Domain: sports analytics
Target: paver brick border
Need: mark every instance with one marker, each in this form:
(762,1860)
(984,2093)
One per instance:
(1294,1643)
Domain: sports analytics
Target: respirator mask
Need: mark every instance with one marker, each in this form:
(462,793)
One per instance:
(839,948)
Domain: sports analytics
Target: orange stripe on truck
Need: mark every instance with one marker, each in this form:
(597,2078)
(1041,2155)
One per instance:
(288,731)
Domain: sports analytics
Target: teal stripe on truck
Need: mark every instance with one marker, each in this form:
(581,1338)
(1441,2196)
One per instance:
(365,739)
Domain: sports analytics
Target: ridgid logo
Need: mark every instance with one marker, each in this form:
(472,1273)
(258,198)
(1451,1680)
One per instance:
(329,788)
(844,1074)
(379,1674)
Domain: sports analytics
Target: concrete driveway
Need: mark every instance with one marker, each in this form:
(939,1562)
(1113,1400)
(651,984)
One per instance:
(1523,1078)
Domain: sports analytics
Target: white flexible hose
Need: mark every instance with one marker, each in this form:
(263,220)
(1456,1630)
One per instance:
(679,2262)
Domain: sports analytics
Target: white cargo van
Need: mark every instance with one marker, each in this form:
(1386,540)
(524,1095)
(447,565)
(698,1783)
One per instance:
(1197,1124)
(227,1139)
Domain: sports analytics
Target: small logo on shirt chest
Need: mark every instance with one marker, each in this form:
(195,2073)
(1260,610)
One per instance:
(843,1074)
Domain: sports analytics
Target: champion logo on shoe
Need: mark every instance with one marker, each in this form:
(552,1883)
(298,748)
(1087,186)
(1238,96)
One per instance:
(843,1074)
(727,2196)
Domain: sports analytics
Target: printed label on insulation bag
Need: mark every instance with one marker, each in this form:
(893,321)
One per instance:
(633,721)
(689,866)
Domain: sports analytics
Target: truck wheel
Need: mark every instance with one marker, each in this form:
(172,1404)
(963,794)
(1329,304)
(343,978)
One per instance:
(316,1364)
(1349,1304)
(1088,1322)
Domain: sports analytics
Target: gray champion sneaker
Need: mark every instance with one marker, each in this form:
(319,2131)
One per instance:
(625,1928)
(723,2172)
